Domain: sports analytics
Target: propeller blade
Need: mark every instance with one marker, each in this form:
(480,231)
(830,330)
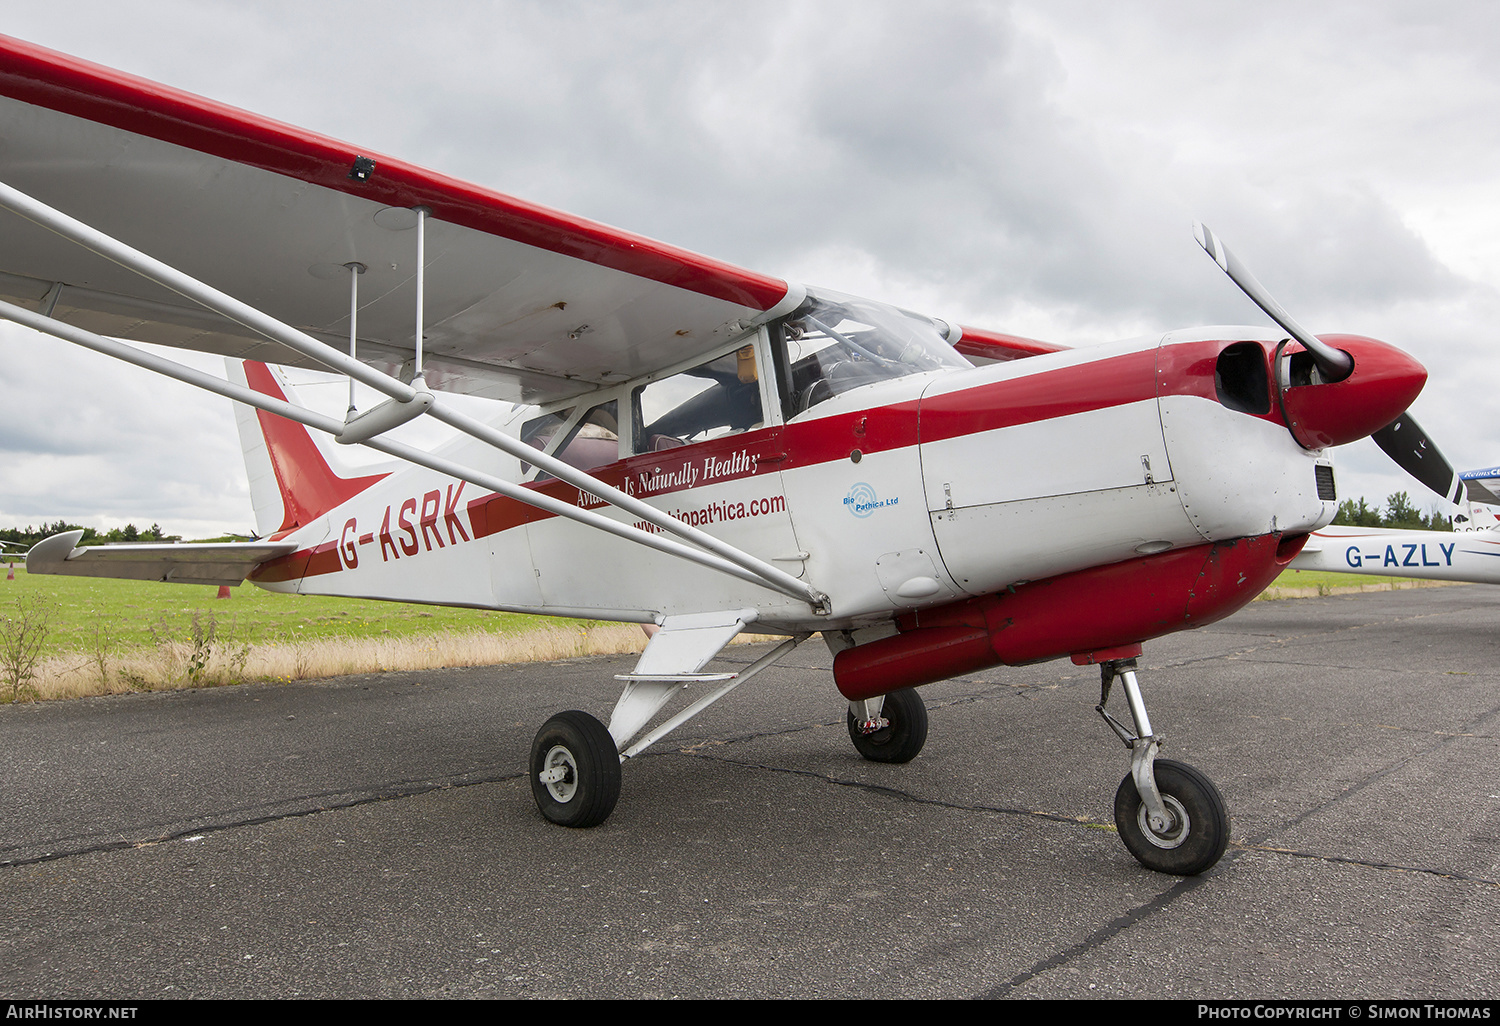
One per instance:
(1334,364)
(1406,443)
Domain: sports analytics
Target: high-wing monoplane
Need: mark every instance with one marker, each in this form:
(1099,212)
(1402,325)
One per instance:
(681,442)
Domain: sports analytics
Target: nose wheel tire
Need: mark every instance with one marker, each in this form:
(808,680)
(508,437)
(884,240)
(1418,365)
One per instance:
(903,738)
(575,770)
(1199,829)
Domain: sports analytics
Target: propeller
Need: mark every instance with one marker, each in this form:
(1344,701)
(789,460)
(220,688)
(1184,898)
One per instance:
(1333,364)
(1403,440)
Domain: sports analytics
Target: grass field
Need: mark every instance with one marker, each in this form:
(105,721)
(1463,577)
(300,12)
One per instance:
(107,636)
(1308,583)
(137,614)
(1325,580)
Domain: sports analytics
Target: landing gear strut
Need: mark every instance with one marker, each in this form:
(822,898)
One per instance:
(1170,816)
(575,759)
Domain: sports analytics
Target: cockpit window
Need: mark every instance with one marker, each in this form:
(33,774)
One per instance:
(717,398)
(834,343)
(592,441)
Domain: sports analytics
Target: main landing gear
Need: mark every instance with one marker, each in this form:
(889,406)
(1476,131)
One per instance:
(575,770)
(1170,816)
(891,728)
(575,759)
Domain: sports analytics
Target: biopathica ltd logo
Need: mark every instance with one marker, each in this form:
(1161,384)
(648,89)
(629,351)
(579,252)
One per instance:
(862,500)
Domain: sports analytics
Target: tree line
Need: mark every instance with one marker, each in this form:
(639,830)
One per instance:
(129,533)
(1398,512)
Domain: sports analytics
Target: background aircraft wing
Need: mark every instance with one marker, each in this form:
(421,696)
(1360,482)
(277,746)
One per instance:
(983,346)
(192,563)
(1482,485)
(522,303)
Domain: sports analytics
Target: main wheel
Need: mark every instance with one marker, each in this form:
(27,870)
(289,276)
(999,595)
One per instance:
(575,770)
(1199,832)
(904,738)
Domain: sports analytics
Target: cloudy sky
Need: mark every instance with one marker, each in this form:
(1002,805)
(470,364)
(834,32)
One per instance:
(1029,167)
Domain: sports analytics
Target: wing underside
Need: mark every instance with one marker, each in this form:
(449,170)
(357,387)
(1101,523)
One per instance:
(521,303)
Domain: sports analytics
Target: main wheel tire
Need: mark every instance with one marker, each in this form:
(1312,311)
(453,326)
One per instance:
(1196,839)
(589,786)
(903,739)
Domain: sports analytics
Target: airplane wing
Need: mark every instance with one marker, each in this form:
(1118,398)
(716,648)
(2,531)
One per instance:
(1481,485)
(521,303)
(995,347)
(194,563)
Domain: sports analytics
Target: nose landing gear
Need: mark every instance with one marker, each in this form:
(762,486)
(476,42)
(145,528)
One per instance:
(1170,816)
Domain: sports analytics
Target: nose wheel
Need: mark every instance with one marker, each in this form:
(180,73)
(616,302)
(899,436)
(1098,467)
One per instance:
(1196,830)
(1170,816)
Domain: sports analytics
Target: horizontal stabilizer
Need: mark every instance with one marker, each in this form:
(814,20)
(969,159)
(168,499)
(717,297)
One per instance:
(192,563)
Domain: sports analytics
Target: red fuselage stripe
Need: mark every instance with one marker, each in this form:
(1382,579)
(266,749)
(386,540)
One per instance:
(1047,395)
(1097,385)
(46,78)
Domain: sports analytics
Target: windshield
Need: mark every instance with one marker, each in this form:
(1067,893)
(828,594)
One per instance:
(835,343)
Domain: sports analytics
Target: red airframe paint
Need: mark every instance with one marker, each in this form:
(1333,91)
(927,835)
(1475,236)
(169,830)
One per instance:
(1385,381)
(309,487)
(1059,392)
(1089,611)
(996,345)
(57,81)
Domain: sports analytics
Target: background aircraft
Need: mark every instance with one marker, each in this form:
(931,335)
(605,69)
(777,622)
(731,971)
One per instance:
(1469,553)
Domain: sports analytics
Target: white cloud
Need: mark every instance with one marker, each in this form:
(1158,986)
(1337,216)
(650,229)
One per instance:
(1030,167)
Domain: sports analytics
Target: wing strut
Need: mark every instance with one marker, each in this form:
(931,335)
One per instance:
(408,402)
(400,450)
(355,270)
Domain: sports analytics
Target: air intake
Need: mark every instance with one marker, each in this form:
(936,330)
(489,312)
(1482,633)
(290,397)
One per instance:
(1326,490)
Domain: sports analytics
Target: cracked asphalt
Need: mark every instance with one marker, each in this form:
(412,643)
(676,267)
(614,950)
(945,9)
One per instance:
(374,836)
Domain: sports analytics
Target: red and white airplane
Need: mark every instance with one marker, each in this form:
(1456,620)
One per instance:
(682,443)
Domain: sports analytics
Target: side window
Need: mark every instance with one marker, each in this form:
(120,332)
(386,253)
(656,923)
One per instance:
(539,431)
(717,398)
(592,442)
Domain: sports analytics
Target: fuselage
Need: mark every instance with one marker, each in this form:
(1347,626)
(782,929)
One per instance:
(909,493)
